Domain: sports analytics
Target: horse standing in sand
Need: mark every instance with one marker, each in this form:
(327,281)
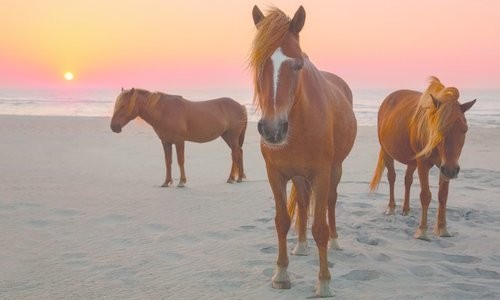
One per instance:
(422,130)
(176,120)
(307,129)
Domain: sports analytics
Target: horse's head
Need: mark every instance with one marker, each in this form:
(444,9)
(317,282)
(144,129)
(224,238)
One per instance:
(276,61)
(126,109)
(454,128)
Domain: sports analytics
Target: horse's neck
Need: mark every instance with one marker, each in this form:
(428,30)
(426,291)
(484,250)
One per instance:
(146,110)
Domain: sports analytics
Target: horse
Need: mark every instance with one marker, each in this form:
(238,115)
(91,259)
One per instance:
(307,129)
(176,120)
(422,130)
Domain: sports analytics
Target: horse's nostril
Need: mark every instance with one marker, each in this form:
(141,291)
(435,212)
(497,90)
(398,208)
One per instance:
(259,127)
(285,127)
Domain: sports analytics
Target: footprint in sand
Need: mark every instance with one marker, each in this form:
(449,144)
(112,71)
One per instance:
(156,227)
(38,224)
(369,241)
(268,249)
(421,271)
(361,275)
(113,219)
(66,212)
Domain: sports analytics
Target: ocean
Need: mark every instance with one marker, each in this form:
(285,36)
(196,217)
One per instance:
(100,102)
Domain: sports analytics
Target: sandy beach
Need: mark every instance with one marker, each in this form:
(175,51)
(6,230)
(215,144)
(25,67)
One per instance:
(82,216)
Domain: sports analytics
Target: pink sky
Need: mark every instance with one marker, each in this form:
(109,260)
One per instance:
(158,44)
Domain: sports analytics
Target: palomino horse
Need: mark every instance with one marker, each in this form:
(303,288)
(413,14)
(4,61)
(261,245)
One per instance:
(176,120)
(307,129)
(422,130)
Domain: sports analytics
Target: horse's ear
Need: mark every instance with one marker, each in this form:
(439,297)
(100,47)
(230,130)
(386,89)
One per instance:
(467,105)
(257,15)
(298,20)
(436,102)
(122,89)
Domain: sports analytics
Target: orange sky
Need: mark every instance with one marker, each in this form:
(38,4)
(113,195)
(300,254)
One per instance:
(162,45)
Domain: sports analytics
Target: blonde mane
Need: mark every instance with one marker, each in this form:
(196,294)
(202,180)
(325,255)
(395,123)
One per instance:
(270,34)
(432,122)
(132,94)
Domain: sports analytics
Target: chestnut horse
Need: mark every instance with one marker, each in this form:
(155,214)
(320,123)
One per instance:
(422,130)
(176,120)
(307,129)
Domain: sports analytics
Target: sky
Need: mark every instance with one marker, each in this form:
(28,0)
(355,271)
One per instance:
(162,45)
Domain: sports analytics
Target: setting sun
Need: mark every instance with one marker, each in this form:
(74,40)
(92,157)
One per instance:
(68,76)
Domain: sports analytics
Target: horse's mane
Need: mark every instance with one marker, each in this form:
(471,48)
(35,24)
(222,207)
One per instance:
(132,94)
(270,34)
(432,122)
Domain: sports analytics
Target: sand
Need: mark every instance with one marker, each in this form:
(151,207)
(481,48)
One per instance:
(82,216)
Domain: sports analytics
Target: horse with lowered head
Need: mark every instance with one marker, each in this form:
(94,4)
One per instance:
(307,129)
(422,130)
(176,120)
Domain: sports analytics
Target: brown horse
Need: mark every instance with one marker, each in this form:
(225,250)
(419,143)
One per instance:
(307,129)
(176,120)
(422,130)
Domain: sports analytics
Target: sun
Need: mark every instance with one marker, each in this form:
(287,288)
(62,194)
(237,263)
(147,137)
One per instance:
(69,76)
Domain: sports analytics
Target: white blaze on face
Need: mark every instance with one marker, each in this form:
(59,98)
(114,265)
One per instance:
(277,59)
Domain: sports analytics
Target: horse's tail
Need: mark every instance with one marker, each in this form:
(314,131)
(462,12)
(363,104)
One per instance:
(241,138)
(292,201)
(292,204)
(379,170)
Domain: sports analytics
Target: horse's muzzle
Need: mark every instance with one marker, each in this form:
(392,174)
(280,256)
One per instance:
(273,132)
(450,173)
(116,128)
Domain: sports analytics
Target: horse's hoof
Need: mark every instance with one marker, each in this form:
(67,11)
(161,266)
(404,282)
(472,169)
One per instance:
(442,232)
(405,212)
(230,180)
(167,184)
(280,279)
(301,249)
(323,289)
(181,184)
(282,285)
(390,211)
(422,235)
(333,244)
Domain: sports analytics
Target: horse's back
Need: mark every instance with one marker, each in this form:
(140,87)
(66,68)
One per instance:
(394,121)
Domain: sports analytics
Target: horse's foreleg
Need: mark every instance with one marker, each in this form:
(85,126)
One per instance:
(280,279)
(241,172)
(320,230)
(332,203)
(179,148)
(391,177)
(425,199)
(410,169)
(301,190)
(440,229)
(167,149)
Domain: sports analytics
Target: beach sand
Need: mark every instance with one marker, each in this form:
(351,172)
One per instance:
(82,216)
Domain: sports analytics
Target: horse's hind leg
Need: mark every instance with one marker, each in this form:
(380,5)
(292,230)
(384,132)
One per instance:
(410,169)
(332,203)
(179,147)
(300,196)
(236,156)
(167,148)
(391,177)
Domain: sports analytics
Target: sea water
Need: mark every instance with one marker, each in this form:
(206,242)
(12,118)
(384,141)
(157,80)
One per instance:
(100,103)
